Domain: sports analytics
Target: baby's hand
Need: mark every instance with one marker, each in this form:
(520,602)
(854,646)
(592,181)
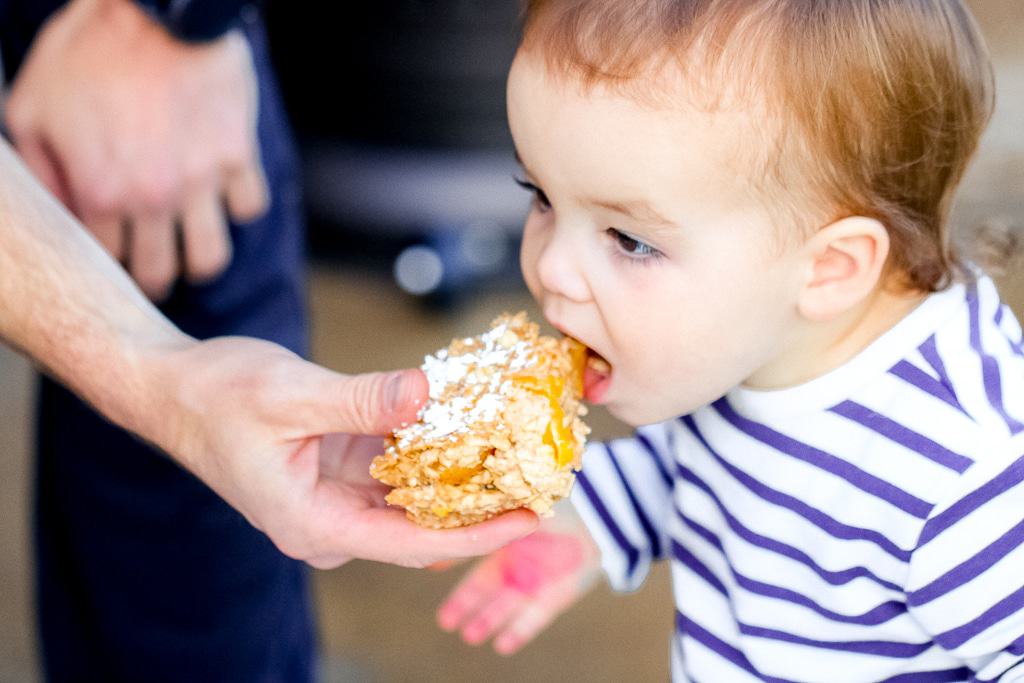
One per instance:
(516,592)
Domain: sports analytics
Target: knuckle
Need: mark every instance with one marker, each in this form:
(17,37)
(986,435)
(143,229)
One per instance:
(238,151)
(265,386)
(153,195)
(198,170)
(368,402)
(99,196)
(158,189)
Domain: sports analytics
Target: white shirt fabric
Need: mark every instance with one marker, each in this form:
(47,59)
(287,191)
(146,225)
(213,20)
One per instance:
(865,526)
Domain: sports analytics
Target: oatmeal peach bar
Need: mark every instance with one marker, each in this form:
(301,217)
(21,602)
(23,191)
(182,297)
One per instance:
(500,431)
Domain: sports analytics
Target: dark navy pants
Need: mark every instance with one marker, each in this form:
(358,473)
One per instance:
(144,574)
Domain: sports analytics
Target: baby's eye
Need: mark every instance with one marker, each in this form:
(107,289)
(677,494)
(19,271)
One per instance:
(631,246)
(539,198)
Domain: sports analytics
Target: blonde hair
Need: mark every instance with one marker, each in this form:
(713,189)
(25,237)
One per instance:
(878,105)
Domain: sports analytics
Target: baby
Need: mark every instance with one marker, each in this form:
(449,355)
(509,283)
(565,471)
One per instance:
(742,207)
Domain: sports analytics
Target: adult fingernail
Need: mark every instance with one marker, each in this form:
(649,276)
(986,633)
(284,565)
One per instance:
(405,392)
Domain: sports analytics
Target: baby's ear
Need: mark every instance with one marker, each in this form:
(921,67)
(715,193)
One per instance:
(847,259)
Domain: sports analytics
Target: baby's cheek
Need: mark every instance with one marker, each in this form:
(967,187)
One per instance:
(540,559)
(529,255)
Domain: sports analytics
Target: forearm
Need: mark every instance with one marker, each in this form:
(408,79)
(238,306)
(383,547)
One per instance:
(66,304)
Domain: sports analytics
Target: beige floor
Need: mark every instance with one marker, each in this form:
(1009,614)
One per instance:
(377,621)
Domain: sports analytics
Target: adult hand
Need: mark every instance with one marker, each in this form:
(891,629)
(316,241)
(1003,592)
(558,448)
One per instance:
(139,133)
(518,591)
(250,419)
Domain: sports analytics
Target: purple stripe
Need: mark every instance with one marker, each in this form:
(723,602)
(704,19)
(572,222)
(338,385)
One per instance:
(662,470)
(879,648)
(690,560)
(989,365)
(1018,349)
(835,578)
(1014,342)
(1015,648)
(1015,339)
(652,535)
(1015,669)
(915,376)
(969,569)
(1007,479)
(689,628)
(868,483)
(823,521)
(904,436)
(1006,607)
(944,676)
(1018,666)
(930,351)
(878,615)
(632,555)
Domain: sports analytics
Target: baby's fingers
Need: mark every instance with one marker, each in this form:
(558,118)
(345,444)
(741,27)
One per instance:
(475,590)
(536,615)
(505,605)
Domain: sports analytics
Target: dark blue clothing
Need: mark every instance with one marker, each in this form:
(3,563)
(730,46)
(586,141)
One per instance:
(143,573)
(196,20)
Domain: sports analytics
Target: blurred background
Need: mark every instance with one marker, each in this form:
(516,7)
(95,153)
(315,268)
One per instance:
(414,218)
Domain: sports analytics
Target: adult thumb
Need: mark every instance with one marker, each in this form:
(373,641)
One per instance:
(376,403)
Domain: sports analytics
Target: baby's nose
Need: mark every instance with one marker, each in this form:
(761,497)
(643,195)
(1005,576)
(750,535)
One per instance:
(560,270)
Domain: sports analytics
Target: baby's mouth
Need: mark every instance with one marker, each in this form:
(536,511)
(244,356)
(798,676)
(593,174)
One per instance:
(597,373)
(597,376)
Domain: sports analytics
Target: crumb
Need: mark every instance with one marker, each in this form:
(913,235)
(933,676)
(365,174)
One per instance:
(501,429)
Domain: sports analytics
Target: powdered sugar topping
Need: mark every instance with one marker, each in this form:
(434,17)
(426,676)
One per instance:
(468,382)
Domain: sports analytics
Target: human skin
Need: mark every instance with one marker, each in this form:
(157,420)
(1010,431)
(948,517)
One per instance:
(515,593)
(646,244)
(139,133)
(284,441)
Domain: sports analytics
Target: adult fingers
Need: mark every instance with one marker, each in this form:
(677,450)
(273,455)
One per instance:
(153,254)
(373,403)
(386,535)
(206,239)
(105,225)
(246,192)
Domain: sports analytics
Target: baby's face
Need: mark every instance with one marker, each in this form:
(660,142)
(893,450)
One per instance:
(646,243)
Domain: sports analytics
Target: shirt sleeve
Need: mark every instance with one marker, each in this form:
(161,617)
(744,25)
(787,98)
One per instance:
(966,579)
(624,495)
(197,20)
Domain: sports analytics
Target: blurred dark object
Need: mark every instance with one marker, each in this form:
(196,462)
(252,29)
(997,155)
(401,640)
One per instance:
(400,111)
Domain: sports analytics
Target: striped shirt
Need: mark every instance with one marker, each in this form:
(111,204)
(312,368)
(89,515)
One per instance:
(865,526)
